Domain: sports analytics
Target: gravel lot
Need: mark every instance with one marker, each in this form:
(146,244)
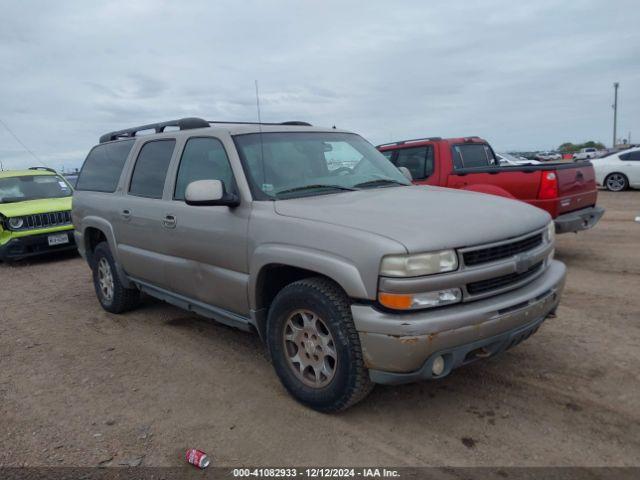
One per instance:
(79,386)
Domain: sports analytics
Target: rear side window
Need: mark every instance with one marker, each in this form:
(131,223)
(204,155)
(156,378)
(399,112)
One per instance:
(103,166)
(474,155)
(630,156)
(419,161)
(151,168)
(203,159)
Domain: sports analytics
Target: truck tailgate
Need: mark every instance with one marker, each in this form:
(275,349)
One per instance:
(576,187)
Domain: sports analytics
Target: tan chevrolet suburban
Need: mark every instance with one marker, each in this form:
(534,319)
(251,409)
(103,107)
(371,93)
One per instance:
(313,239)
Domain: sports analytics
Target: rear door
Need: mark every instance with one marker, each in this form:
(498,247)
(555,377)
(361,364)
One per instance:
(140,214)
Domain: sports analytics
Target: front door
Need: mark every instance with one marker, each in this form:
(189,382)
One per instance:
(207,245)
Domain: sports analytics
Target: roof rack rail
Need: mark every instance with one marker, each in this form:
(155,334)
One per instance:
(182,124)
(402,142)
(47,169)
(290,122)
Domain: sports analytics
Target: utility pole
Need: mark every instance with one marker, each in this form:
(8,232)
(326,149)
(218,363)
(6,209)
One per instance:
(615,112)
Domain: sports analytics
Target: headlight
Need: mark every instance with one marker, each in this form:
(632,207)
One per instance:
(550,235)
(16,223)
(419,264)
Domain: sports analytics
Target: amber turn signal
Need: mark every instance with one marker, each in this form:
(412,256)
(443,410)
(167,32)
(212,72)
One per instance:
(395,300)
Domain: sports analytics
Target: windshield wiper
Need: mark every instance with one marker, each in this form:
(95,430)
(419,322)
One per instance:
(12,199)
(379,181)
(315,187)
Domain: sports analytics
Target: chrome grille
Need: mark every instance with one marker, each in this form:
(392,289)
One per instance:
(46,220)
(499,252)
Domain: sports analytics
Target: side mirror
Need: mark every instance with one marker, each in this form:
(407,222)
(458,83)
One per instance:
(406,172)
(209,193)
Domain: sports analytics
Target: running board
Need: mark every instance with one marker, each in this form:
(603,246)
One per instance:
(208,311)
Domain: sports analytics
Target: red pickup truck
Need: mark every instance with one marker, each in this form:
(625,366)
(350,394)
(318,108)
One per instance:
(566,190)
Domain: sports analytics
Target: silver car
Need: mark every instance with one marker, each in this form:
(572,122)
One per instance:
(313,239)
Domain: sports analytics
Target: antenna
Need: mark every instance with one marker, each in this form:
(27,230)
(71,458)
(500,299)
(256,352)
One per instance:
(264,176)
(20,141)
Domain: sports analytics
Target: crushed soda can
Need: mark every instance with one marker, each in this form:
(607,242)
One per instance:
(198,458)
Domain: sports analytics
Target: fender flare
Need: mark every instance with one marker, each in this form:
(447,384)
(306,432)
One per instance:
(339,269)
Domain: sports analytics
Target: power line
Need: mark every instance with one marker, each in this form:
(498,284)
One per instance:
(20,142)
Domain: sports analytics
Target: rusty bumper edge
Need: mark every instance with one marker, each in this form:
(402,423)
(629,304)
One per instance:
(403,346)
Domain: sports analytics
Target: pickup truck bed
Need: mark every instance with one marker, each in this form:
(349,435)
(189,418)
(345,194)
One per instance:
(567,191)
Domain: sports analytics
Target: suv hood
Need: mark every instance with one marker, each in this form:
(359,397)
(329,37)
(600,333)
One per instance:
(421,218)
(44,205)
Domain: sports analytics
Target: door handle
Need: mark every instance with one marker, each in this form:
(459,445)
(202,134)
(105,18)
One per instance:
(126,214)
(169,221)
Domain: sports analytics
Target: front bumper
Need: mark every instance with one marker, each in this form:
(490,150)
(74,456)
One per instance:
(31,245)
(579,220)
(400,348)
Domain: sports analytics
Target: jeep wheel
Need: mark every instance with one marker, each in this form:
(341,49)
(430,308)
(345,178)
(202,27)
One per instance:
(112,295)
(616,182)
(315,347)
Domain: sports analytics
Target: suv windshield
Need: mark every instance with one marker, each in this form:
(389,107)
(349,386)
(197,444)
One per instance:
(33,187)
(294,164)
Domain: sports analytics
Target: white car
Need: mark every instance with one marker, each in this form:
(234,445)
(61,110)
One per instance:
(548,156)
(619,171)
(586,154)
(508,159)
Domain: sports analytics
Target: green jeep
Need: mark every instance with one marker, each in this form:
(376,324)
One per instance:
(35,213)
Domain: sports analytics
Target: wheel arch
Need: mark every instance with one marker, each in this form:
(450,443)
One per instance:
(275,266)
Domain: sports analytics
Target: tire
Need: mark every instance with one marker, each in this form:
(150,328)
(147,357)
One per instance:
(616,182)
(334,379)
(112,295)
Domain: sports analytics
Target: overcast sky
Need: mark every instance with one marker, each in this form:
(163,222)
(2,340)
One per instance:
(523,75)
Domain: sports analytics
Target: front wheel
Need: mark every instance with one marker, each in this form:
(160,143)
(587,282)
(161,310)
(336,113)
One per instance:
(616,182)
(315,347)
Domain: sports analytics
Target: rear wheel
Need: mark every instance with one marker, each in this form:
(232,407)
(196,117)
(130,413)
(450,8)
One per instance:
(315,347)
(616,182)
(113,296)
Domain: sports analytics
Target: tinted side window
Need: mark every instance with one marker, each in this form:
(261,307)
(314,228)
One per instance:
(103,166)
(151,168)
(633,156)
(419,161)
(203,159)
(475,155)
(625,156)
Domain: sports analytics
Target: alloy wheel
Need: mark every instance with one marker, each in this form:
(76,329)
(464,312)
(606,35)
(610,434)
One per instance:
(310,348)
(105,279)
(616,182)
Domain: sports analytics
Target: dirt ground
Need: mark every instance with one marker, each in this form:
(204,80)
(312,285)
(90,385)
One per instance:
(79,386)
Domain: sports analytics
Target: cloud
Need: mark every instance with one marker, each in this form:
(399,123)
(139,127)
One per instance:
(523,75)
